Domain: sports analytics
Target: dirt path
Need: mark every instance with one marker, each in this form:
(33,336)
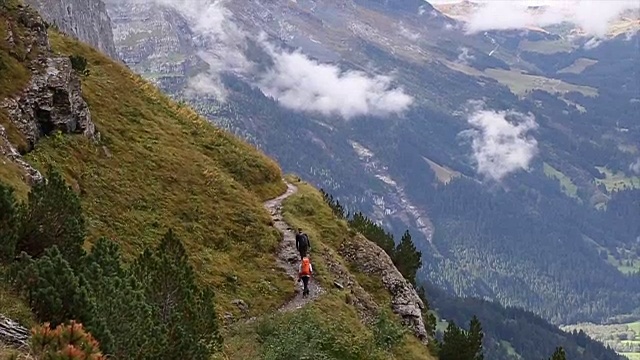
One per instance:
(288,256)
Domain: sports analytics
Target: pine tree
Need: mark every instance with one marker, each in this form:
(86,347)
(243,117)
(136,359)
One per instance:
(53,291)
(121,305)
(185,311)
(52,216)
(8,223)
(407,258)
(475,337)
(559,354)
(454,344)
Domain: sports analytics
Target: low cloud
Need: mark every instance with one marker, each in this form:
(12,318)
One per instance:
(301,83)
(220,40)
(592,16)
(635,167)
(295,81)
(500,141)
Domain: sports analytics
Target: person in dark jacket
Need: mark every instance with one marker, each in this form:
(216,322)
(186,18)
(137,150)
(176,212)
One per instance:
(302,243)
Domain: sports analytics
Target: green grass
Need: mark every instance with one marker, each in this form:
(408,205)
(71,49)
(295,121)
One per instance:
(578,66)
(617,181)
(307,209)
(547,46)
(567,186)
(520,83)
(160,165)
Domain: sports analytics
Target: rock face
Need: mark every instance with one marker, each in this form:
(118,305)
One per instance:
(86,20)
(12,333)
(51,101)
(371,259)
(155,40)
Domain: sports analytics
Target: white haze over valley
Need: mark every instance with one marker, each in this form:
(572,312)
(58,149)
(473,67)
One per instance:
(592,16)
(295,81)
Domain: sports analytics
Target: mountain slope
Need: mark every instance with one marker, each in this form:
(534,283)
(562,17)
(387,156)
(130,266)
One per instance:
(151,164)
(571,147)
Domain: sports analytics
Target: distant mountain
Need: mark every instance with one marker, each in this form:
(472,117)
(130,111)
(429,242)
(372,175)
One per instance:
(505,152)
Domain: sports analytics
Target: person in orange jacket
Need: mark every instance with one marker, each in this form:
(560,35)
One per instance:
(305,270)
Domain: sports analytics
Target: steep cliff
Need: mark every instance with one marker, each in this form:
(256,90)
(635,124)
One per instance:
(86,20)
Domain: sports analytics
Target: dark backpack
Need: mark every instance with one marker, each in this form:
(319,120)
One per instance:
(304,241)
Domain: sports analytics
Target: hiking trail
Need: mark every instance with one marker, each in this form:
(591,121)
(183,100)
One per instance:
(288,256)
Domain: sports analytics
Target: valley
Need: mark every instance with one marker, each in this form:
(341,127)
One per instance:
(509,151)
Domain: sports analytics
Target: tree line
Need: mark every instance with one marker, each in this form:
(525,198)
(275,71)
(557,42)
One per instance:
(152,309)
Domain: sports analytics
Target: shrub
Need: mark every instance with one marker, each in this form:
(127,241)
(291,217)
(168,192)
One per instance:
(79,64)
(387,333)
(65,342)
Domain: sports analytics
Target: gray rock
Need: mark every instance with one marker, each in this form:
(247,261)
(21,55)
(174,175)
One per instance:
(86,20)
(12,333)
(52,101)
(241,304)
(371,259)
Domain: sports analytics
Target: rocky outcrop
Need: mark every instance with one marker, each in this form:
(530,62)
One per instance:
(371,259)
(51,101)
(12,333)
(86,20)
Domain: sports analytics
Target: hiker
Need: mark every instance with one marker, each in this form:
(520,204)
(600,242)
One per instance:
(302,243)
(305,270)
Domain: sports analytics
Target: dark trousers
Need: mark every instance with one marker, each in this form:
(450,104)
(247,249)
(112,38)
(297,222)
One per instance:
(305,282)
(303,252)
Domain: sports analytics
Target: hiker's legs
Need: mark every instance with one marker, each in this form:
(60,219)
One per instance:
(305,282)
(303,252)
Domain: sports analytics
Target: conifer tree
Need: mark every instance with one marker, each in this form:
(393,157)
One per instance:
(559,354)
(475,337)
(53,291)
(407,258)
(186,312)
(121,305)
(454,344)
(8,223)
(52,216)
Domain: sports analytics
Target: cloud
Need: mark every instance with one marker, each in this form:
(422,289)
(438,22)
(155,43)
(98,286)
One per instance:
(635,167)
(592,16)
(500,141)
(294,80)
(301,83)
(220,41)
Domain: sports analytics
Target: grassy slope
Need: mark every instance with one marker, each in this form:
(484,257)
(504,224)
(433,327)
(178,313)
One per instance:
(159,165)
(307,209)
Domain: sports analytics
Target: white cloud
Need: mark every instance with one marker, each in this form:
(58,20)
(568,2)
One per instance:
(301,83)
(592,16)
(295,81)
(221,42)
(500,141)
(635,167)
